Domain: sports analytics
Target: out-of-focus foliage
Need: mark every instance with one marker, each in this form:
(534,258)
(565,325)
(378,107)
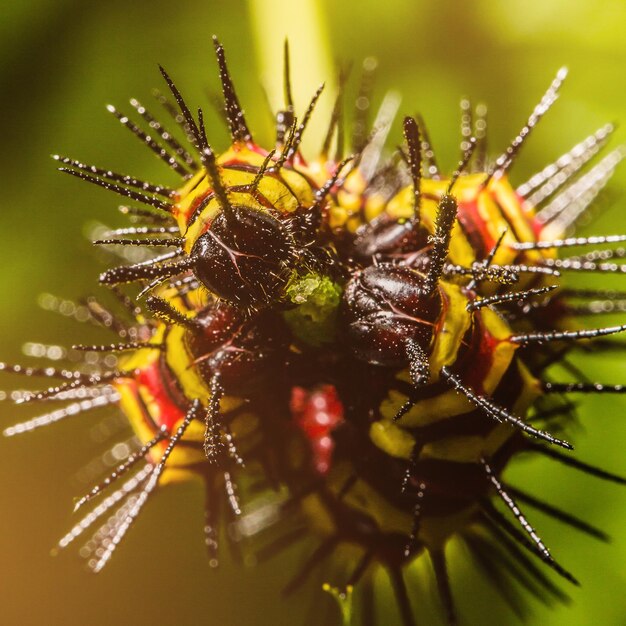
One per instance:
(60,62)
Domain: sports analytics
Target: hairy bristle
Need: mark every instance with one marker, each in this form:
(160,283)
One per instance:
(121,469)
(500,413)
(542,185)
(440,240)
(165,156)
(297,139)
(147,490)
(122,191)
(508,298)
(566,335)
(505,160)
(52,417)
(165,135)
(413,141)
(234,114)
(167,313)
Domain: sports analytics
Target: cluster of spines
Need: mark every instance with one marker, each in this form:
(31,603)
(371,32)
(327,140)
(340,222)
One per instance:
(134,492)
(563,204)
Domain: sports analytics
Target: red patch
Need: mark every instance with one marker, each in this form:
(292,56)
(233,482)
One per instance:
(482,361)
(474,225)
(168,413)
(317,413)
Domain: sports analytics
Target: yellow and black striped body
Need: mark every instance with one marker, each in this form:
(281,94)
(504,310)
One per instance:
(283,192)
(166,381)
(440,441)
(484,214)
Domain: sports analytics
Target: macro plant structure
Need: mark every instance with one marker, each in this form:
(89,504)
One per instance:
(360,335)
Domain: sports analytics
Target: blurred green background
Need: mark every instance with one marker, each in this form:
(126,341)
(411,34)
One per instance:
(60,62)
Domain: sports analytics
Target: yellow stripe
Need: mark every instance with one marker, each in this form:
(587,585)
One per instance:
(284,195)
(498,206)
(392,438)
(447,343)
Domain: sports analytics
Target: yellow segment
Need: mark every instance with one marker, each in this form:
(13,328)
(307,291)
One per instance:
(183,369)
(187,373)
(434,531)
(498,206)
(392,439)
(285,193)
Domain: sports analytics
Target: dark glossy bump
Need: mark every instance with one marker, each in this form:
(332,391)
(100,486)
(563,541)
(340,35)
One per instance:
(385,307)
(242,352)
(387,236)
(244,258)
